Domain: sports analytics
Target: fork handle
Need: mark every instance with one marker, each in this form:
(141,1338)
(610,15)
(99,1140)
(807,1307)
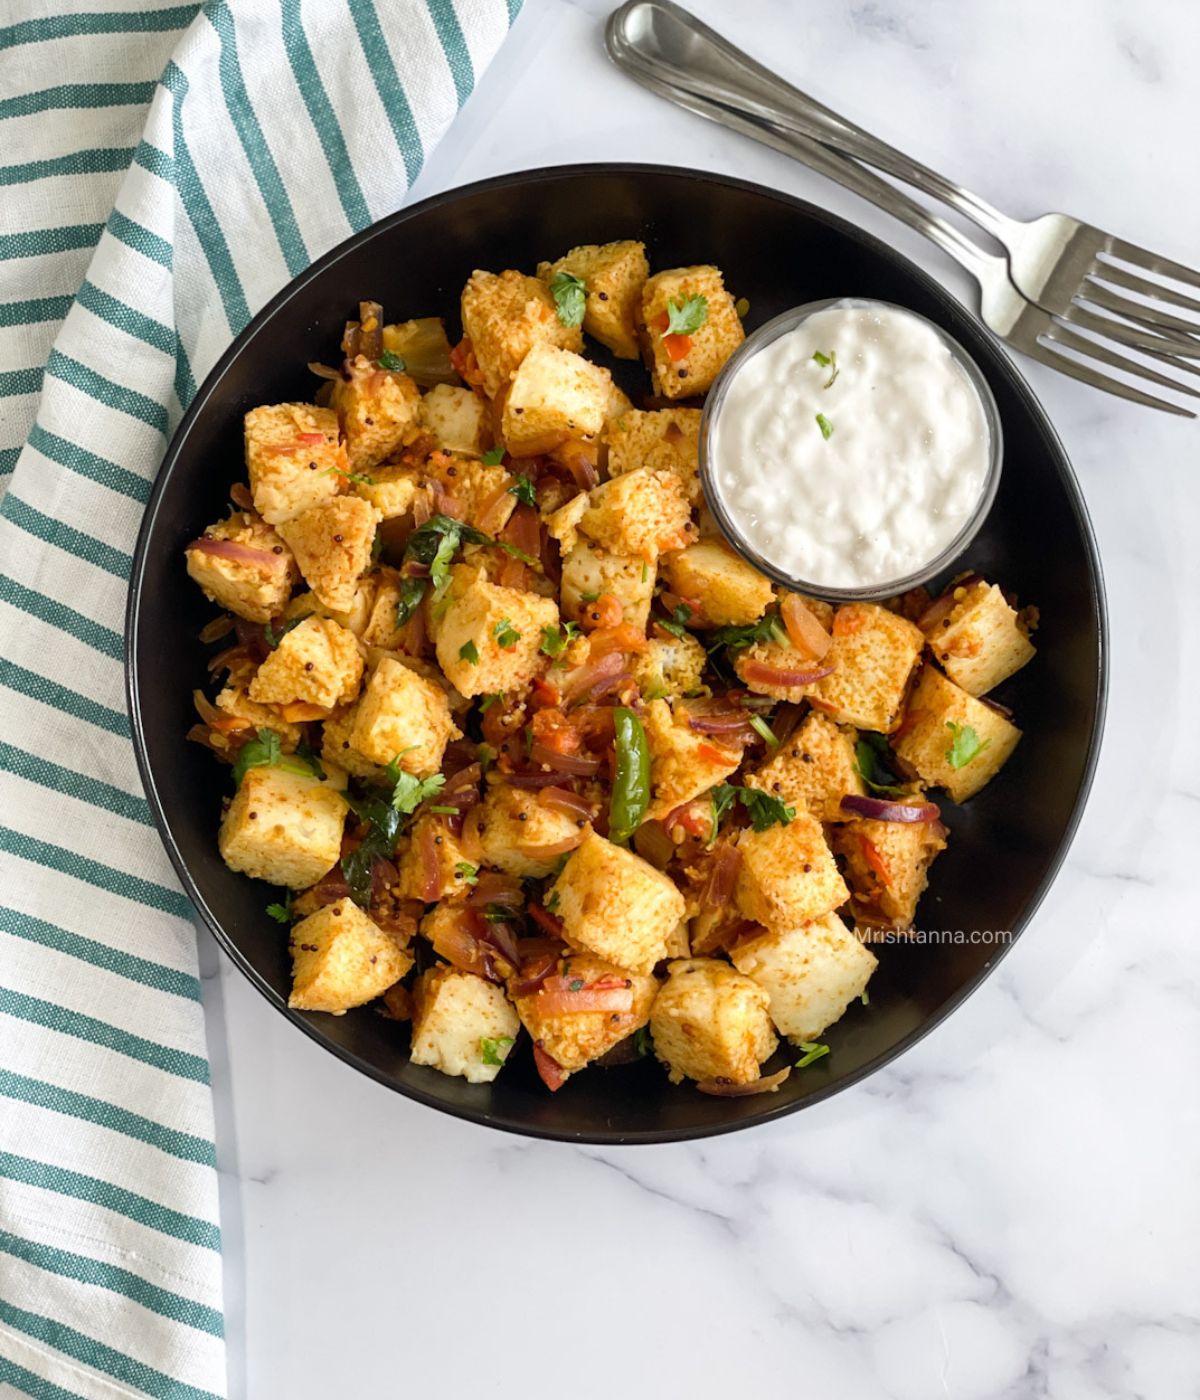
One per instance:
(698,60)
(846,172)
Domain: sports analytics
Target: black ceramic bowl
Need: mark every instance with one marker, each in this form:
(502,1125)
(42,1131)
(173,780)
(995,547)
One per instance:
(778,252)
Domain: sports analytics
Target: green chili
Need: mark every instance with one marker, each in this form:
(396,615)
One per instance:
(631,787)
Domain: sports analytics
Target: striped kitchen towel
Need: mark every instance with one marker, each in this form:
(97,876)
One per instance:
(166,169)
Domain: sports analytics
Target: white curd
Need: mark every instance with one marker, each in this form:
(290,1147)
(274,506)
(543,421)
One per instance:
(860,481)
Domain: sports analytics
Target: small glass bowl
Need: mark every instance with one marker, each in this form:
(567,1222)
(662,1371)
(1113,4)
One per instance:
(771,332)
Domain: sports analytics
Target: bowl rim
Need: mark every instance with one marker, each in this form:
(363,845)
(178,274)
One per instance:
(384,228)
(717,500)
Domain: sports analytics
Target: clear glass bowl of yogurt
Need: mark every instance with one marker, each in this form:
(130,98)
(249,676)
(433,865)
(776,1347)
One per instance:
(850,449)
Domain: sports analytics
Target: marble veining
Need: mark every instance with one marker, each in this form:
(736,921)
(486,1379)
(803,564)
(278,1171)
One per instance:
(1011,1209)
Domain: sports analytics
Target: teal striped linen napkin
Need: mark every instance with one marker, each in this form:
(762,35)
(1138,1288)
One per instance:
(165,170)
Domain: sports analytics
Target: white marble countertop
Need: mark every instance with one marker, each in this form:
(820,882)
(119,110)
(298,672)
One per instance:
(1012,1208)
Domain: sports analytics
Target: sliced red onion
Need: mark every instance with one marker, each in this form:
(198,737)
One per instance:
(726,1090)
(531,780)
(943,605)
(551,849)
(611,683)
(1002,710)
(236,553)
(494,888)
(503,938)
(729,723)
(581,765)
(881,810)
(227,659)
(216,629)
(563,800)
(722,876)
(589,677)
(766,674)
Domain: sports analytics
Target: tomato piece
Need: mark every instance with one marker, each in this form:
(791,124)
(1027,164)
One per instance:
(605,612)
(847,621)
(545,919)
(678,347)
(804,629)
(543,694)
(624,636)
(549,1069)
(462,357)
(875,861)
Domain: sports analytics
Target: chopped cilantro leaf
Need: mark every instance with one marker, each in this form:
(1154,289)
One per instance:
(506,634)
(965,744)
(813,1050)
(552,902)
(281,913)
(828,362)
(523,490)
(687,315)
(384,814)
(825,426)
(411,791)
(675,624)
(555,640)
(875,764)
(494,1051)
(360,477)
(765,811)
(768,628)
(437,541)
(305,754)
(493,457)
(388,359)
(469,653)
(412,590)
(722,798)
(266,751)
(439,566)
(466,872)
(570,298)
(642,1042)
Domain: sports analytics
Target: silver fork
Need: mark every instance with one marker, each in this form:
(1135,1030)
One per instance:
(669,51)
